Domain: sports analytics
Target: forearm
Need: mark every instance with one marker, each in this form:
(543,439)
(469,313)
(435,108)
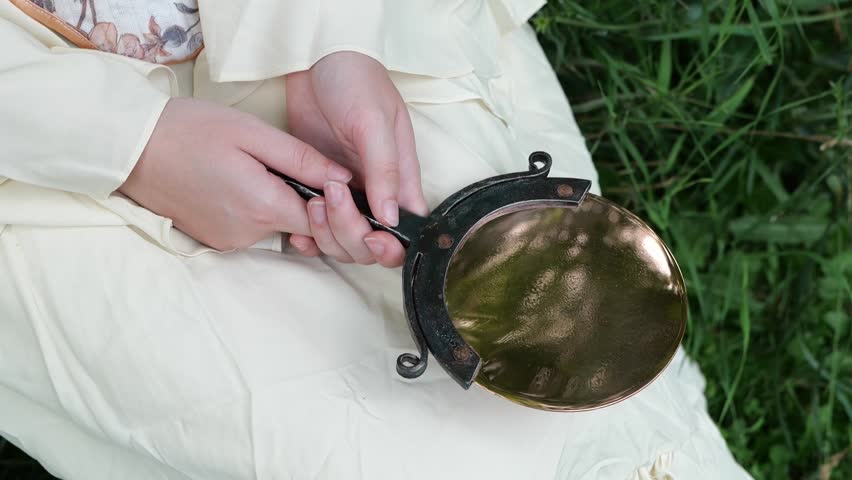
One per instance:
(71,120)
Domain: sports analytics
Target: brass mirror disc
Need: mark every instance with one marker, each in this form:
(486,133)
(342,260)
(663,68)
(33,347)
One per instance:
(570,308)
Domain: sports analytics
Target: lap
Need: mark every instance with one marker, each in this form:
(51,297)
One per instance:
(261,364)
(256,363)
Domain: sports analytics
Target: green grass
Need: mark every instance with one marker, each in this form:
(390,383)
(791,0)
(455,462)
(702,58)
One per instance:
(726,124)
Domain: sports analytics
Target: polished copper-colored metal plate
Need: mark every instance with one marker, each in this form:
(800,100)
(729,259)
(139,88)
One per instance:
(570,308)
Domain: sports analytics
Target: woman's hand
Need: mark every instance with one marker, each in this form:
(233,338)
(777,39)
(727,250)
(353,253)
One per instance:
(347,108)
(205,168)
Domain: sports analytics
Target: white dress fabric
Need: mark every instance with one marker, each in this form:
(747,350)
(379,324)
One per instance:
(129,351)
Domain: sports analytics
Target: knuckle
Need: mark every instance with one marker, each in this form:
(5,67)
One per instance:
(391,171)
(375,118)
(246,124)
(261,210)
(299,156)
(302,155)
(385,174)
(367,119)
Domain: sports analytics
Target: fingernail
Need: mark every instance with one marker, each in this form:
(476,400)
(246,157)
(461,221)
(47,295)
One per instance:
(375,246)
(338,173)
(317,210)
(300,244)
(333,193)
(391,210)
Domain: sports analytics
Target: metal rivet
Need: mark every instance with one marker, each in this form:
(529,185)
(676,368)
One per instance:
(564,190)
(461,354)
(445,241)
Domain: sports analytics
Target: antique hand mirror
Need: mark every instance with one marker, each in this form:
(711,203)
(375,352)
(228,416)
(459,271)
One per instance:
(538,291)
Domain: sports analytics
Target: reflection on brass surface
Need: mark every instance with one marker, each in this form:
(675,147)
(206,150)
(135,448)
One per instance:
(570,308)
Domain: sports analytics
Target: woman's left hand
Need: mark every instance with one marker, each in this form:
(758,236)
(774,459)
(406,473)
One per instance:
(346,107)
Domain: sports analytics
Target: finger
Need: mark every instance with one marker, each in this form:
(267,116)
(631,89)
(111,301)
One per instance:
(305,245)
(347,223)
(386,249)
(376,145)
(321,231)
(290,156)
(410,185)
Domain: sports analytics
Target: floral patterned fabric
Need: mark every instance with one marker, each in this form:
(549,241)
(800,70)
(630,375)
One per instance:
(156,31)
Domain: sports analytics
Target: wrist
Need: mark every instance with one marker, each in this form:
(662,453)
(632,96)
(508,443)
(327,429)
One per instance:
(148,137)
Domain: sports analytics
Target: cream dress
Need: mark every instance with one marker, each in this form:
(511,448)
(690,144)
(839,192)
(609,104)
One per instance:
(129,351)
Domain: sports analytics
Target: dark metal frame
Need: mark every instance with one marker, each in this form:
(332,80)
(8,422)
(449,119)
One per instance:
(443,232)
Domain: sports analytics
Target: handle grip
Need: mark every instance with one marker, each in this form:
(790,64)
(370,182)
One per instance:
(409,226)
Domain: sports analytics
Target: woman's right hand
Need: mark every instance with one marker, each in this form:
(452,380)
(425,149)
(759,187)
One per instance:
(205,167)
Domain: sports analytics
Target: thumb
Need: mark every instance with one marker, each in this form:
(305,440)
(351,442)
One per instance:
(375,143)
(411,187)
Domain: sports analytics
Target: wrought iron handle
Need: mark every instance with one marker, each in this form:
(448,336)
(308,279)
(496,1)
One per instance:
(409,226)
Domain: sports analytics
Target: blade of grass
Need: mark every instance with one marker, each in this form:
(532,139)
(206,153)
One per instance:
(664,75)
(745,327)
(757,33)
(743,30)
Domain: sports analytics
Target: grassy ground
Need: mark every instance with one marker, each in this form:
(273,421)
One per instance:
(727,125)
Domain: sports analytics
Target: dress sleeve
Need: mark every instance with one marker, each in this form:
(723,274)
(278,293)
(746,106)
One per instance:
(72,120)
(259,39)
